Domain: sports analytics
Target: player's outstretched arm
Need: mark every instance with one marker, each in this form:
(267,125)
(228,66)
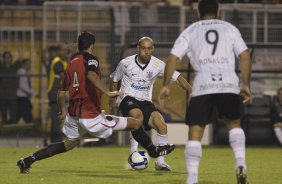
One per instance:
(183,83)
(61,99)
(112,102)
(245,67)
(95,80)
(169,69)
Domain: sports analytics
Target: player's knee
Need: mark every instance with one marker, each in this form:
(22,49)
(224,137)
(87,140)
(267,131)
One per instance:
(134,124)
(232,123)
(70,144)
(137,114)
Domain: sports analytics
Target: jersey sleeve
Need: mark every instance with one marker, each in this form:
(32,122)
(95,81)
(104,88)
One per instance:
(238,42)
(180,47)
(92,62)
(118,73)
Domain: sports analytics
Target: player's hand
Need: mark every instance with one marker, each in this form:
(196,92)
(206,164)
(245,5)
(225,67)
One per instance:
(62,116)
(164,94)
(246,94)
(115,94)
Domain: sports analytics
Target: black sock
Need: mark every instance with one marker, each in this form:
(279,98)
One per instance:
(144,140)
(47,152)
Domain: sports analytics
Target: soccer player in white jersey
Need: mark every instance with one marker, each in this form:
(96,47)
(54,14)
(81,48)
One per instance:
(138,74)
(211,46)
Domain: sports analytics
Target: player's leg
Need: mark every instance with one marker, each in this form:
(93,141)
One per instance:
(133,144)
(71,131)
(229,109)
(56,148)
(130,107)
(278,131)
(198,114)
(193,152)
(144,139)
(140,135)
(157,123)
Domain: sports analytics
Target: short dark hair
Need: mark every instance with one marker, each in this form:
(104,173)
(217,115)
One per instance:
(208,7)
(84,41)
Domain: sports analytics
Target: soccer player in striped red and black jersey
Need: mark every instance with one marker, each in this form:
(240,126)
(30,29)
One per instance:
(82,87)
(85,101)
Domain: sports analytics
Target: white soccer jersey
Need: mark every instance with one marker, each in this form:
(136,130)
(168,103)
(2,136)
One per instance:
(211,46)
(136,80)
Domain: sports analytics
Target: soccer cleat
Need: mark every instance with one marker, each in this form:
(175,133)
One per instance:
(161,150)
(24,168)
(241,175)
(162,167)
(165,149)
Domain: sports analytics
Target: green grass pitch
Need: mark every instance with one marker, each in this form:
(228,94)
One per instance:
(106,165)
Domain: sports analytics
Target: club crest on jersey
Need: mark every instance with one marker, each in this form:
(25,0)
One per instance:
(93,62)
(149,74)
(216,77)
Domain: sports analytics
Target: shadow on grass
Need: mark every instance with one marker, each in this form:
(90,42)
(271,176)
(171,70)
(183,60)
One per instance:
(118,174)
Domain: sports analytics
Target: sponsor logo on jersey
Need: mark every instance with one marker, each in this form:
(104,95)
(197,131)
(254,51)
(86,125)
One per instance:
(93,62)
(140,87)
(216,86)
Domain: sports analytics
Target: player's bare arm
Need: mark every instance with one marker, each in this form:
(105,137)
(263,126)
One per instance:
(113,87)
(61,99)
(183,83)
(169,69)
(94,78)
(245,67)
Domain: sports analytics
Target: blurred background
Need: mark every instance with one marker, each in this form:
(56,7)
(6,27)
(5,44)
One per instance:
(35,30)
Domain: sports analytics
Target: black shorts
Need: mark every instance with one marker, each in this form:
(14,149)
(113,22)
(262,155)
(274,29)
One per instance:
(146,107)
(201,108)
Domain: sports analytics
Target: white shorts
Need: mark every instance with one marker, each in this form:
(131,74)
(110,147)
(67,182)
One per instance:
(102,126)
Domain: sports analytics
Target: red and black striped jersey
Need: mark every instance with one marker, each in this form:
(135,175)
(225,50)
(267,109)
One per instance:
(85,98)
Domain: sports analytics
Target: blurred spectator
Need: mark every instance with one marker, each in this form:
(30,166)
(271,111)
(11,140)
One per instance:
(56,73)
(47,58)
(149,18)
(271,1)
(24,92)
(276,114)
(9,84)
(21,2)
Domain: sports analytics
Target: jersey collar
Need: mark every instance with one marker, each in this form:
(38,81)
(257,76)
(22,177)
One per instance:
(144,67)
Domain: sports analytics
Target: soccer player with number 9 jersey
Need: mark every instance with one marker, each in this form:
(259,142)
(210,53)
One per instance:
(212,45)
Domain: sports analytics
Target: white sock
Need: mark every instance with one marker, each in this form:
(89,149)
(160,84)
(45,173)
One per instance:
(133,144)
(161,140)
(193,154)
(278,133)
(237,143)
